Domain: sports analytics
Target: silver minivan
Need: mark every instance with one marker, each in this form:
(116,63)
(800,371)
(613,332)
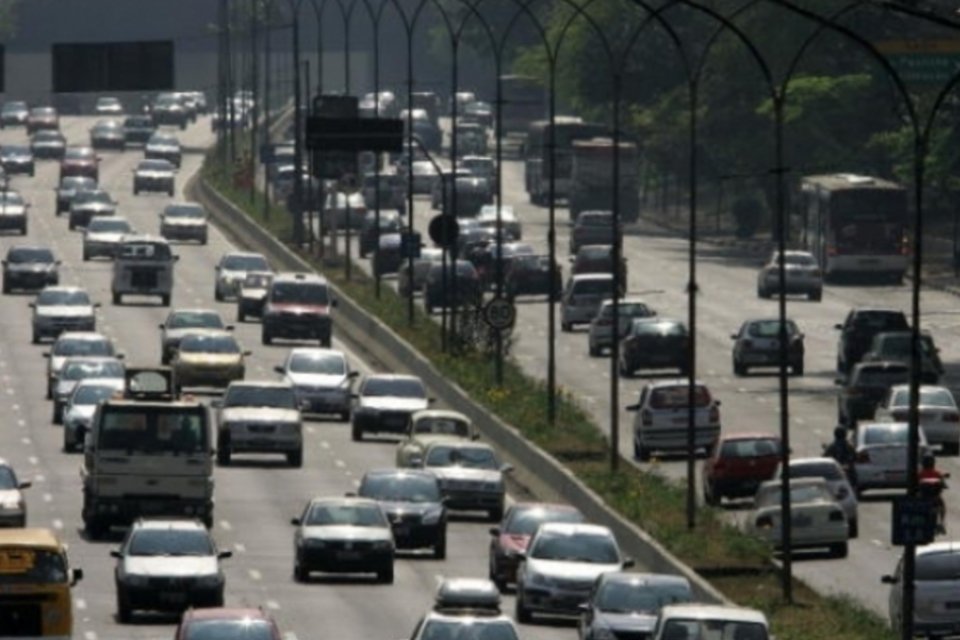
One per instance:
(143,266)
(937,595)
(582,298)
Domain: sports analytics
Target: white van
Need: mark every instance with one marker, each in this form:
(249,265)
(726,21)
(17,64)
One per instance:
(582,298)
(143,266)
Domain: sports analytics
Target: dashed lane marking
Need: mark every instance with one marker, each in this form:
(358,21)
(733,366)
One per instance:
(254,574)
(324,444)
(225,524)
(57,524)
(81,604)
(34,460)
(239,547)
(273,604)
(48,497)
(340,463)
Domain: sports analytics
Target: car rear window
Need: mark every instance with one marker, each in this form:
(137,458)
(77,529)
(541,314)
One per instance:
(879,321)
(754,448)
(595,221)
(588,287)
(770,329)
(825,470)
(678,396)
(928,398)
(886,377)
(647,328)
(886,434)
(941,566)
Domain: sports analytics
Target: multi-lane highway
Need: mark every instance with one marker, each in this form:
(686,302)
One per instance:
(727,279)
(254,500)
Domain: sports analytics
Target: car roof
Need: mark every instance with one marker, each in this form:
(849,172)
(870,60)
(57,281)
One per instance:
(923,387)
(439,413)
(299,276)
(81,335)
(951,546)
(178,524)
(193,310)
(209,613)
(579,277)
(630,577)
(32,537)
(144,237)
(393,376)
(317,351)
(748,435)
(261,384)
(398,471)
(712,611)
(344,501)
(573,528)
(881,364)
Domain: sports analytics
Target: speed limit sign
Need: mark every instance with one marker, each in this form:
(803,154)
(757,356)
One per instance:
(500,314)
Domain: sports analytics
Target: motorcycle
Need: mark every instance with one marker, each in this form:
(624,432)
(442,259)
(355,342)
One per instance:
(931,489)
(845,462)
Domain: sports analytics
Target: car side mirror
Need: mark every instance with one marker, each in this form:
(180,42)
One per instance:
(628,563)
(76,575)
(115,553)
(333,302)
(350,494)
(494,531)
(96,305)
(223,555)
(176,258)
(632,407)
(33,305)
(431,400)
(216,404)
(733,336)
(506,467)
(229,327)
(475,436)
(46,354)
(60,262)
(353,374)
(295,522)
(838,327)
(247,354)
(120,356)
(888,580)
(838,381)
(279,369)
(25,485)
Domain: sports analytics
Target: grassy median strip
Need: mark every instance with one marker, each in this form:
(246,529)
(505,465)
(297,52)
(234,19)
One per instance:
(737,564)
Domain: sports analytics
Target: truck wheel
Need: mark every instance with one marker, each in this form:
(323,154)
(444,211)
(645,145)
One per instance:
(265,337)
(440,548)
(124,612)
(356,433)
(95,528)
(385,575)
(165,300)
(117,298)
(223,455)
(295,458)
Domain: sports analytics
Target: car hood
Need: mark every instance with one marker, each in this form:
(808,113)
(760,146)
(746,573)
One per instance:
(184,222)
(299,308)
(105,236)
(82,412)
(177,334)
(211,359)
(419,508)
(66,311)
(171,565)
(391,403)
(48,143)
(326,381)
(346,532)
(642,622)
(31,267)
(259,414)
(586,572)
(465,473)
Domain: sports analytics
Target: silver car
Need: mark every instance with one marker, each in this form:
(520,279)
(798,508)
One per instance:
(180,322)
(802,274)
(259,417)
(13,508)
(233,268)
(561,565)
(939,415)
(321,378)
(829,470)
(103,235)
(582,298)
(881,461)
(72,344)
(184,221)
(59,309)
(80,407)
(601,327)
(107,370)
(471,477)
(13,212)
(936,610)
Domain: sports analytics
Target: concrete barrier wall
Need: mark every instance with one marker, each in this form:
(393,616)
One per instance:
(546,476)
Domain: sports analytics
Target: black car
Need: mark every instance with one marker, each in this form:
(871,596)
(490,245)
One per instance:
(16,159)
(654,343)
(48,143)
(154,175)
(138,129)
(858,330)
(388,257)
(29,268)
(167,109)
(865,388)
(485,259)
(69,187)
(413,504)
(89,204)
(107,134)
(532,276)
(460,286)
(389,223)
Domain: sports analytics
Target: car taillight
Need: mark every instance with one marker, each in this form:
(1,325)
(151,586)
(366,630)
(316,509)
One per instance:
(714,414)
(765,522)
(719,465)
(646,417)
(863,457)
(951,417)
(836,516)
(852,392)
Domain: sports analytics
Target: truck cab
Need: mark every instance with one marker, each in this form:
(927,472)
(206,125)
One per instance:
(143,266)
(149,452)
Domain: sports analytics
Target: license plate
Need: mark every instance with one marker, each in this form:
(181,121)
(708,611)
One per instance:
(348,555)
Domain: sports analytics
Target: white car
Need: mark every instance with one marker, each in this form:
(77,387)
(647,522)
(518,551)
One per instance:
(184,221)
(817,519)
(829,470)
(561,565)
(13,508)
(695,621)
(103,235)
(106,106)
(471,477)
(75,343)
(881,461)
(939,415)
(233,268)
(59,309)
(80,407)
(601,327)
(107,370)
(259,417)
(582,297)
(322,379)
(662,413)
(936,591)
(13,212)
(509,222)
(802,274)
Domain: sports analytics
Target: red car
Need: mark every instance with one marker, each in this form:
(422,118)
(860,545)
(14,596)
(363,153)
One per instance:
(513,535)
(223,622)
(737,465)
(80,161)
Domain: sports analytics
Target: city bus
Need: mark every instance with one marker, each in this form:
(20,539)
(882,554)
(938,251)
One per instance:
(523,100)
(856,225)
(35,582)
(538,155)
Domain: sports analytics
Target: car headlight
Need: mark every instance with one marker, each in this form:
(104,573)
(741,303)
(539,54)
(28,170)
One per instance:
(432,517)
(134,580)
(539,579)
(12,505)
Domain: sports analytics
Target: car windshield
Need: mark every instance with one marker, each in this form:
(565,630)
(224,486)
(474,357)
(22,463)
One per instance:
(14,107)
(897,346)
(154,165)
(297,293)
(594,221)
(107,102)
(92,394)
(770,496)
(928,398)
(678,629)
(145,251)
(525,521)
(195,319)
(244,263)
(47,136)
(71,183)
(468,629)
(469,457)
(11,198)
(244,395)
(169,542)
(86,370)
(355,515)
(97,347)
(8,480)
(826,470)
(575,547)
(109,224)
(594,286)
(401,487)
(183,211)
(78,153)
(880,321)
(393,387)
(229,629)
(678,396)
(209,344)
(799,259)
(769,329)
(332,364)
(87,197)
(442,425)
(750,448)
(939,566)
(43,111)
(627,310)
(880,377)
(60,297)
(32,566)
(107,125)
(163,141)
(625,597)
(27,255)
(10,150)
(891,434)
(138,122)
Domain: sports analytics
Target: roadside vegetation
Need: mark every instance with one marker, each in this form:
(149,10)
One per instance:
(739,566)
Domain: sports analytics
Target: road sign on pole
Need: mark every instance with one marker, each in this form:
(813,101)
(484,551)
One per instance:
(923,61)
(500,314)
(443,230)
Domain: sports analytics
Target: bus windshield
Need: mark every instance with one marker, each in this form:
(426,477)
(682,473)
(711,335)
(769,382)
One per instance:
(871,221)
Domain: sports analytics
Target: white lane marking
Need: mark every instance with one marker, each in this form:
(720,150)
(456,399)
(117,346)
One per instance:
(48,497)
(799,420)
(273,604)
(289,635)
(21,423)
(240,547)
(324,444)
(254,574)
(224,524)
(25,440)
(90,635)
(39,478)
(57,524)
(876,543)
(80,603)
(340,463)
(356,483)
(16,407)
(311,429)
(741,389)
(10,391)
(34,460)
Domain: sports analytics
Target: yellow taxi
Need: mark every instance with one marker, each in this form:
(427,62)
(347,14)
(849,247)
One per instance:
(208,358)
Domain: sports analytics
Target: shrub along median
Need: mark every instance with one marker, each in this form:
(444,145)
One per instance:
(738,565)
